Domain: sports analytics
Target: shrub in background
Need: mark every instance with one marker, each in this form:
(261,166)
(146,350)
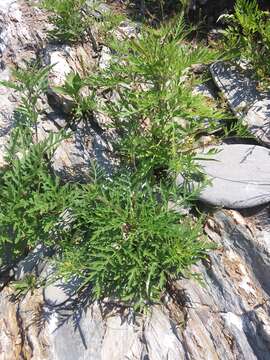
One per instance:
(247,37)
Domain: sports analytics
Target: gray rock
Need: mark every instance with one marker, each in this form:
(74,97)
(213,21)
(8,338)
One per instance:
(97,9)
(105,58)
(127,30)
(237,87)
(205,90)
(78,337)
(59,292)
(66,60)
(73,156)
(18,39)
(33,262)
(58,56)
(239,174)
(244,99)
(258,120)
(5,5)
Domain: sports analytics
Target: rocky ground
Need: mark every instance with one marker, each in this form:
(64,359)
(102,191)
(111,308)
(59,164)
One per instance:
(227,317)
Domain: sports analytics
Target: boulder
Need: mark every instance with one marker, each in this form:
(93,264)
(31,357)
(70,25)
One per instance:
(66,60)
(258,120)
(34,262)
(236,85)
(239,176)
(244,99)
(105,58)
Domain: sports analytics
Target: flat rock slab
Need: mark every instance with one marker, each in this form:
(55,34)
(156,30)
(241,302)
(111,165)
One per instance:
(239,174)
(244,99)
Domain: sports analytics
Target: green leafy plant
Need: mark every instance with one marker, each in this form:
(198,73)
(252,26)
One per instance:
(127,244)
(83,104)
(122,237)
(31,196)
(31,199)
(110,21)
(71,19)
(156,113)
(30,283)
(247,37)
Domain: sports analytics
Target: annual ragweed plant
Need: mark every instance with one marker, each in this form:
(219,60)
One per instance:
(70,19)
(123,240)
(127,244)
(156,113)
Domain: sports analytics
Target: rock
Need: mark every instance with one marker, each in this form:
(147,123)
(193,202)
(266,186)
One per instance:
(10,330)
(56,55)
(239,176)
(97,9)
(74,155)
(61,291)
(206,140)
(77,335)
(6,274)
(205,90)
(238,89)
(224,317)
(214,35)
(22,30)
(199,68)
(258,120)
(179,208)
(66,60)
(105,57)
(33,262)
(5,5)
(127,30)
(45,126)
(244,99)
(70,159)
(119,330)
(162,338)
